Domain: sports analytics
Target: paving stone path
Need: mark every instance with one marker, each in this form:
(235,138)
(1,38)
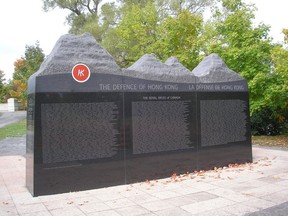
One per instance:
(259,188)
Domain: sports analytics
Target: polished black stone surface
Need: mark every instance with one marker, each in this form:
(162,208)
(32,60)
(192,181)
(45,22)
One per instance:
(78,141)
(160,134)
(84,140)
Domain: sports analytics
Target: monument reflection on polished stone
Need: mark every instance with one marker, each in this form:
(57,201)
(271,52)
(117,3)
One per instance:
(92,124)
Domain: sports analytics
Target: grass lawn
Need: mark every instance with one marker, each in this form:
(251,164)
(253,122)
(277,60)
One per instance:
(13,130)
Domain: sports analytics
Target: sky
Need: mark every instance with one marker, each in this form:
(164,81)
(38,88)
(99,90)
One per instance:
(23,22)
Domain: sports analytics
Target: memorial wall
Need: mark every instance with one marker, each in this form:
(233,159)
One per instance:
(92,124)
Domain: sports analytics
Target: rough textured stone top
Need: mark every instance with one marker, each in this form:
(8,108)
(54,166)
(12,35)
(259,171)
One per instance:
(213,70)
(72,49)
(149,67)
(178,67)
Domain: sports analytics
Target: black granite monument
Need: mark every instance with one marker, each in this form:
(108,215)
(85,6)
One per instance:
(92,124)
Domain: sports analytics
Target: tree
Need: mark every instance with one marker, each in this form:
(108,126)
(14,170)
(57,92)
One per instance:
(23,69)
(99,26)
(143,29)
(76,6)
(136,33)
(3,89)
(174,7)
(276,95)
(81,12)
(29,63)
(245,49)
(180,36)
(97,18)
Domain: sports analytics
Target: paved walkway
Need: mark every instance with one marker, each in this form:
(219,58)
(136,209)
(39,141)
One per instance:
(7,118)
(260,188)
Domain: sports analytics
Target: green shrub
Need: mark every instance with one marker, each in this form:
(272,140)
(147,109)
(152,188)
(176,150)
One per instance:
(268,122)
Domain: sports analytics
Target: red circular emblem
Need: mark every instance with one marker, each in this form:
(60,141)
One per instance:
(80,73)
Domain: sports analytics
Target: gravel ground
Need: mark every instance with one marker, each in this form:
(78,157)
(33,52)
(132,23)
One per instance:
(280,141)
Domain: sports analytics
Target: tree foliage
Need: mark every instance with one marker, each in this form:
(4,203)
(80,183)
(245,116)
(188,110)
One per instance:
(3,88)
(130,28)
(136,33)
(246,49)
(29,63)
(23,69)
(181,37)
(98,17)
(75,6)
